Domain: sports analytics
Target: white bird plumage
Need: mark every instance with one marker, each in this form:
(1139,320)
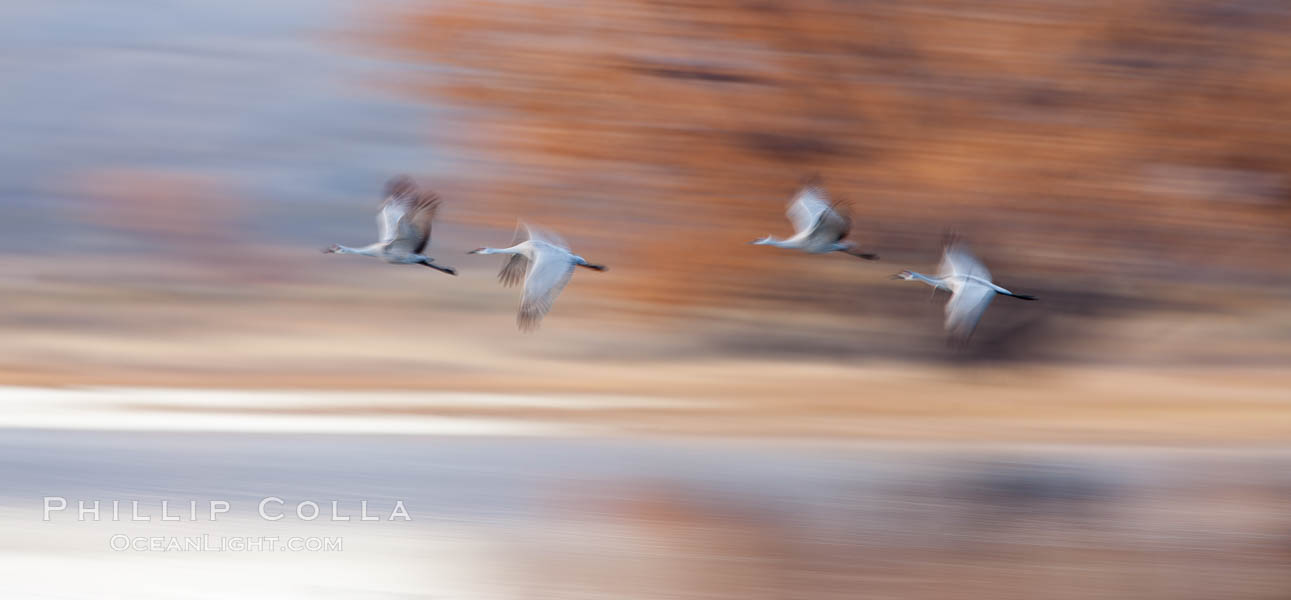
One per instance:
(544,262)
(969,284)
(819,225)
(403,226)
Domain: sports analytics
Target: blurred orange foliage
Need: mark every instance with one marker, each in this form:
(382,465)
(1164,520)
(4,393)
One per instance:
(1117,138)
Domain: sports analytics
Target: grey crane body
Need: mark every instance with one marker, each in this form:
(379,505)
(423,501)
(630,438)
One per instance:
(970,286)
(543,261)
(819,226)
(403,224)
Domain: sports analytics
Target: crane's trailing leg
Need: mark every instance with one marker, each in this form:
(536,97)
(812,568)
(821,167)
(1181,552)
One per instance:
(429,263)
(582,262)
(847,247)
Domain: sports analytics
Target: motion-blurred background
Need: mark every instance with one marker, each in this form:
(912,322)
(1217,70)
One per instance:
(171,169)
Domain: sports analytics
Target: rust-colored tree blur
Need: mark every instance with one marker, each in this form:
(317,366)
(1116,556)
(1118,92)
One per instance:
(1125,160)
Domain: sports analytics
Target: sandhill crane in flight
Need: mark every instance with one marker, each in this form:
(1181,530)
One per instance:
(403,223)
(819,226)
(543,260)
(969,283)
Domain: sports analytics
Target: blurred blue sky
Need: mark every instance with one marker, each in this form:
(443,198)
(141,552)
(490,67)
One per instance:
(263,95)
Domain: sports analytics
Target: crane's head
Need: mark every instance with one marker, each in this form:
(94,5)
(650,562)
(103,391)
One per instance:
(334,249)
(481,251)
(906,275)
(764,241)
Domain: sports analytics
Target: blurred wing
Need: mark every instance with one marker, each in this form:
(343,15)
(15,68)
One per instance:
(539,234)
(388,220)
(412,231)
(833,225)
(958,261)
(513,271)
(401,191)
(521,233)
(550,271)
(807,207)
(966,307)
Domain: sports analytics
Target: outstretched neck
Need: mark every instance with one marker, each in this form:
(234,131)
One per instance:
(770,241)
(932,281)
(512,250)
(369,250)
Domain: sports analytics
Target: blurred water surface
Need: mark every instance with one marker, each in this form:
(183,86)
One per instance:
(509,518)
